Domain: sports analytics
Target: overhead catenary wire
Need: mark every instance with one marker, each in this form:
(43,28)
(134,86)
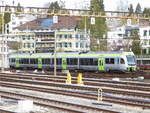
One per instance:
(76,12)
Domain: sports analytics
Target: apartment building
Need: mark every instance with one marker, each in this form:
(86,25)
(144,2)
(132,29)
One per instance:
(65,33)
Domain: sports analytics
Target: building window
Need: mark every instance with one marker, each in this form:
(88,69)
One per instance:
(23,38)
(59,36)
(65,36)
(28,37)
(70,44)
(77,45)
(65,44)
(70,36)
(144,51)
(76,36)
(60,44)
(57,45)
(28,45)
(32,45)
(145,33)
(24,45)
(81,45)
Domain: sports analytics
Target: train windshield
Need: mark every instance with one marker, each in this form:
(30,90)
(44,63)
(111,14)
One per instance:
(131,60)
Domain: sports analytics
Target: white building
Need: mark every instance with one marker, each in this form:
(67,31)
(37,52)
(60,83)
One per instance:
(121,37)
(17,20)
(144,32)
(3,52)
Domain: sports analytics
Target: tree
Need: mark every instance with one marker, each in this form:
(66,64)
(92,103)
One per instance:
(138,8)
(19,8)
(1,23)
(130,9)
(55,6)
(99,29)
(7,16)
(146,12)
(136,47)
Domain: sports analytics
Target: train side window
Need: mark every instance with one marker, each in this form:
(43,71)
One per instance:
(52,61)
(68,61)
(46,61)
(82,61)
(59,61)
(24,61)
(87,61)
(33,61)
(12,60)
(75,61)
(90,61)
(95,62)
(112,61)
(107,60)
(122,61)
(72,61)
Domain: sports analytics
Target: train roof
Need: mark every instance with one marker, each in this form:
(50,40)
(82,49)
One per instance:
(71,53)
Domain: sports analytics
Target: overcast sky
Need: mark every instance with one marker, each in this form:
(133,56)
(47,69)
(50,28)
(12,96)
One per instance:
(109,4)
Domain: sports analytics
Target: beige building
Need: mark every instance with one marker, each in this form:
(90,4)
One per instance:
(68,37)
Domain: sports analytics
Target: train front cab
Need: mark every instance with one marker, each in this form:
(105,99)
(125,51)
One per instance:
(130,61)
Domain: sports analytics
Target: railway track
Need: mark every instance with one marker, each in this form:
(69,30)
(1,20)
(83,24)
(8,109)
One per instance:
(145,74)
(5,111)
(91,96)
(49,103)
(130,85)
(82,94)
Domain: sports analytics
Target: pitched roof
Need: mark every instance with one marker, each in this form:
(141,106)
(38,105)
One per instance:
(65,22)
(47,23)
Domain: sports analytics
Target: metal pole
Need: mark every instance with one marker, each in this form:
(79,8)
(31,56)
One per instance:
(55,68)
(2,41)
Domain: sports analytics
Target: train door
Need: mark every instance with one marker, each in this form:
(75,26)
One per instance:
(64,63)
(17,62)
(39,63)
(101,64)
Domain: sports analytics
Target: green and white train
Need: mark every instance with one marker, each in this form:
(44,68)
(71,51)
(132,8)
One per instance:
(90,61)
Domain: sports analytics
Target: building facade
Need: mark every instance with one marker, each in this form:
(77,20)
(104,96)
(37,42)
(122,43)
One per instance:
(65,33)
(72,40)
(122,37)
(144,32)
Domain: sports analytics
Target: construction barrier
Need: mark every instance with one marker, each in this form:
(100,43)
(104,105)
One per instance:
(79,79)
(68,81)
